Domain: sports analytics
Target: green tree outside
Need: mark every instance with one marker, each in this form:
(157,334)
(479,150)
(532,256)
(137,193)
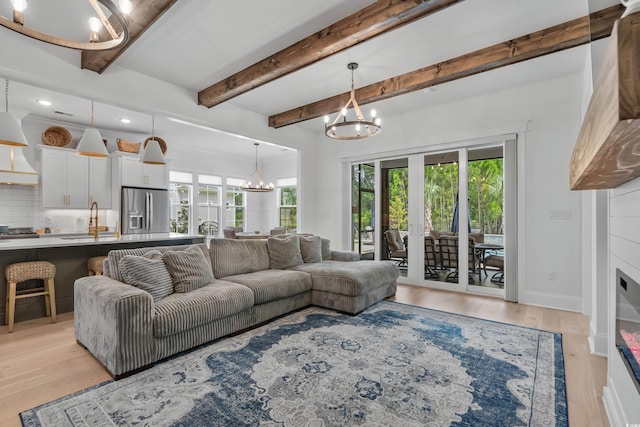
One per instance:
(485,190)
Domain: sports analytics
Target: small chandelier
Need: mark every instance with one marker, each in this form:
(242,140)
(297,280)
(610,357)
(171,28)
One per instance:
(260,186)
(95,24)
(344,129)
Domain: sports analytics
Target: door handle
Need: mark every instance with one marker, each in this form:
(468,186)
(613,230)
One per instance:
(150,222)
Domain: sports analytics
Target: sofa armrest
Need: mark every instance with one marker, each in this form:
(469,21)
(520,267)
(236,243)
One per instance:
(114,321)
(345,256)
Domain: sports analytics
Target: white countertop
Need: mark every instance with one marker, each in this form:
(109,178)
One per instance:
(70,240)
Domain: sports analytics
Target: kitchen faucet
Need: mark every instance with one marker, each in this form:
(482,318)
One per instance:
(93,232)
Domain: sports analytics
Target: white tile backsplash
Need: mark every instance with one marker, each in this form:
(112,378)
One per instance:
(20,207)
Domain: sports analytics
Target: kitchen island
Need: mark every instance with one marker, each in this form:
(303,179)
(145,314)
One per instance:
(69,253)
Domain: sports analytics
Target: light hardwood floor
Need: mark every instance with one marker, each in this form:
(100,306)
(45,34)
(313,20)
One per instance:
(41,361)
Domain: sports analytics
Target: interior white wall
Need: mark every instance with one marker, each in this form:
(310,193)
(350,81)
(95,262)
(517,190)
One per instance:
(595,247)
(546,114)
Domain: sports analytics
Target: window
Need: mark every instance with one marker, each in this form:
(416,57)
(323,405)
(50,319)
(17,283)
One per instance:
(180,187)
(208,202)
(287,202)
(234,203)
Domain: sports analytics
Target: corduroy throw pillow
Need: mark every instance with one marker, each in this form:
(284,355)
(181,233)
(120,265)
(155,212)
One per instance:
(284,252)
(311,248)
(147,272)
(189,269)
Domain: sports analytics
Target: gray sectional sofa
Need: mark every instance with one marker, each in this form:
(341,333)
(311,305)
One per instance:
(152,303)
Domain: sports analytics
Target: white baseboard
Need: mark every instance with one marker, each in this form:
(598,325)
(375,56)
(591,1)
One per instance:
(542,299)
(598,344)
(613,407)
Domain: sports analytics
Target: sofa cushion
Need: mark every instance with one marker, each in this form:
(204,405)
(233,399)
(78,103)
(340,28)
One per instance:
(271,285)
(284,252)
(326,249)
(188,269)
(147,272)
(183,311)
(113,257)
(238,256)
(311,248)
(349,278)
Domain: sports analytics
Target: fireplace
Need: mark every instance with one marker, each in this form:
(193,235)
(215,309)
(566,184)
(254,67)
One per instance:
(628,324)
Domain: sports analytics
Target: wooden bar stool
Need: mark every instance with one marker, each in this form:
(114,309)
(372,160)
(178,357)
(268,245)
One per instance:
(94,265)
(23,271)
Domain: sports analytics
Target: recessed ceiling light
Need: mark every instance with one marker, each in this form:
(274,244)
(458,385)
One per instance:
(44,102)
(125,120)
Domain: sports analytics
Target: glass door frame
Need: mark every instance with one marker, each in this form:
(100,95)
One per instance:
(509,291)
(415,250)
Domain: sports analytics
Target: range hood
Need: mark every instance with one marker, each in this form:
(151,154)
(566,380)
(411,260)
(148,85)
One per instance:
(14,167)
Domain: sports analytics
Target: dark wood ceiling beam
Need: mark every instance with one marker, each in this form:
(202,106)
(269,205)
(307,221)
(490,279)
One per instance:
(143,15)
(554,39)
(373,20)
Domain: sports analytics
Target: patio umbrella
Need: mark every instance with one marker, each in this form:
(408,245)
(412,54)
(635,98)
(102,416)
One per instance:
(454,222)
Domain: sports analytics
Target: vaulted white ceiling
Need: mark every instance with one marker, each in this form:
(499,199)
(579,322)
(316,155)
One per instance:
(198,43)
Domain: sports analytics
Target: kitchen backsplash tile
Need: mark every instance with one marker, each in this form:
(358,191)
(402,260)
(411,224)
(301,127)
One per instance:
(20,207)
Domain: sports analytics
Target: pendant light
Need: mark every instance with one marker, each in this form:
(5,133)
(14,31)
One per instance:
(259,185)
(152,153)
(355,128)
(10,129)
(91,143)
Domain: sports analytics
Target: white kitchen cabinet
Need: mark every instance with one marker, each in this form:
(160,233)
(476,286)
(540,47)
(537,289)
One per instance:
(65,179)
(100,181)
(138,174)
(128,171)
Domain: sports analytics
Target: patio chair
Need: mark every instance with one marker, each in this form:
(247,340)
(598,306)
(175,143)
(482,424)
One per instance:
(449,257)
(395,248)
(495,261)
(229,233)
(277,231)
(208,228)
(431,258)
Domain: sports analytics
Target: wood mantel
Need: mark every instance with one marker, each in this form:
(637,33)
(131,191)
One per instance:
(607,153)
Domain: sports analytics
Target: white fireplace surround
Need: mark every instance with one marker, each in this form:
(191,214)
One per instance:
(621,398)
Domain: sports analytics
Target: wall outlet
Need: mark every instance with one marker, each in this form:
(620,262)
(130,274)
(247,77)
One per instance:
(49,220)
(552,275)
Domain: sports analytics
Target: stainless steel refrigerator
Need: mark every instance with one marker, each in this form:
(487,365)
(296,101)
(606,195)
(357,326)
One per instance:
(144,210)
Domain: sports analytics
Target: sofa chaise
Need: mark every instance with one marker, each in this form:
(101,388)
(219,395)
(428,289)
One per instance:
(154,302)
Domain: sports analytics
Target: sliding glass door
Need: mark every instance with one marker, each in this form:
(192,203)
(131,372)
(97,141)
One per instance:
(395,211)
(363,210)
(443,218)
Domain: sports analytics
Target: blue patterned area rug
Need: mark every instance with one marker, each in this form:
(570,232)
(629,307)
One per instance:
(392,365)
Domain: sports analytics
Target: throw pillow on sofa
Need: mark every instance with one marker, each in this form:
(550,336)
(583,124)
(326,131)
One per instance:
(326,249)
(148,273)
(284,252)
(188,269)
(311,248)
